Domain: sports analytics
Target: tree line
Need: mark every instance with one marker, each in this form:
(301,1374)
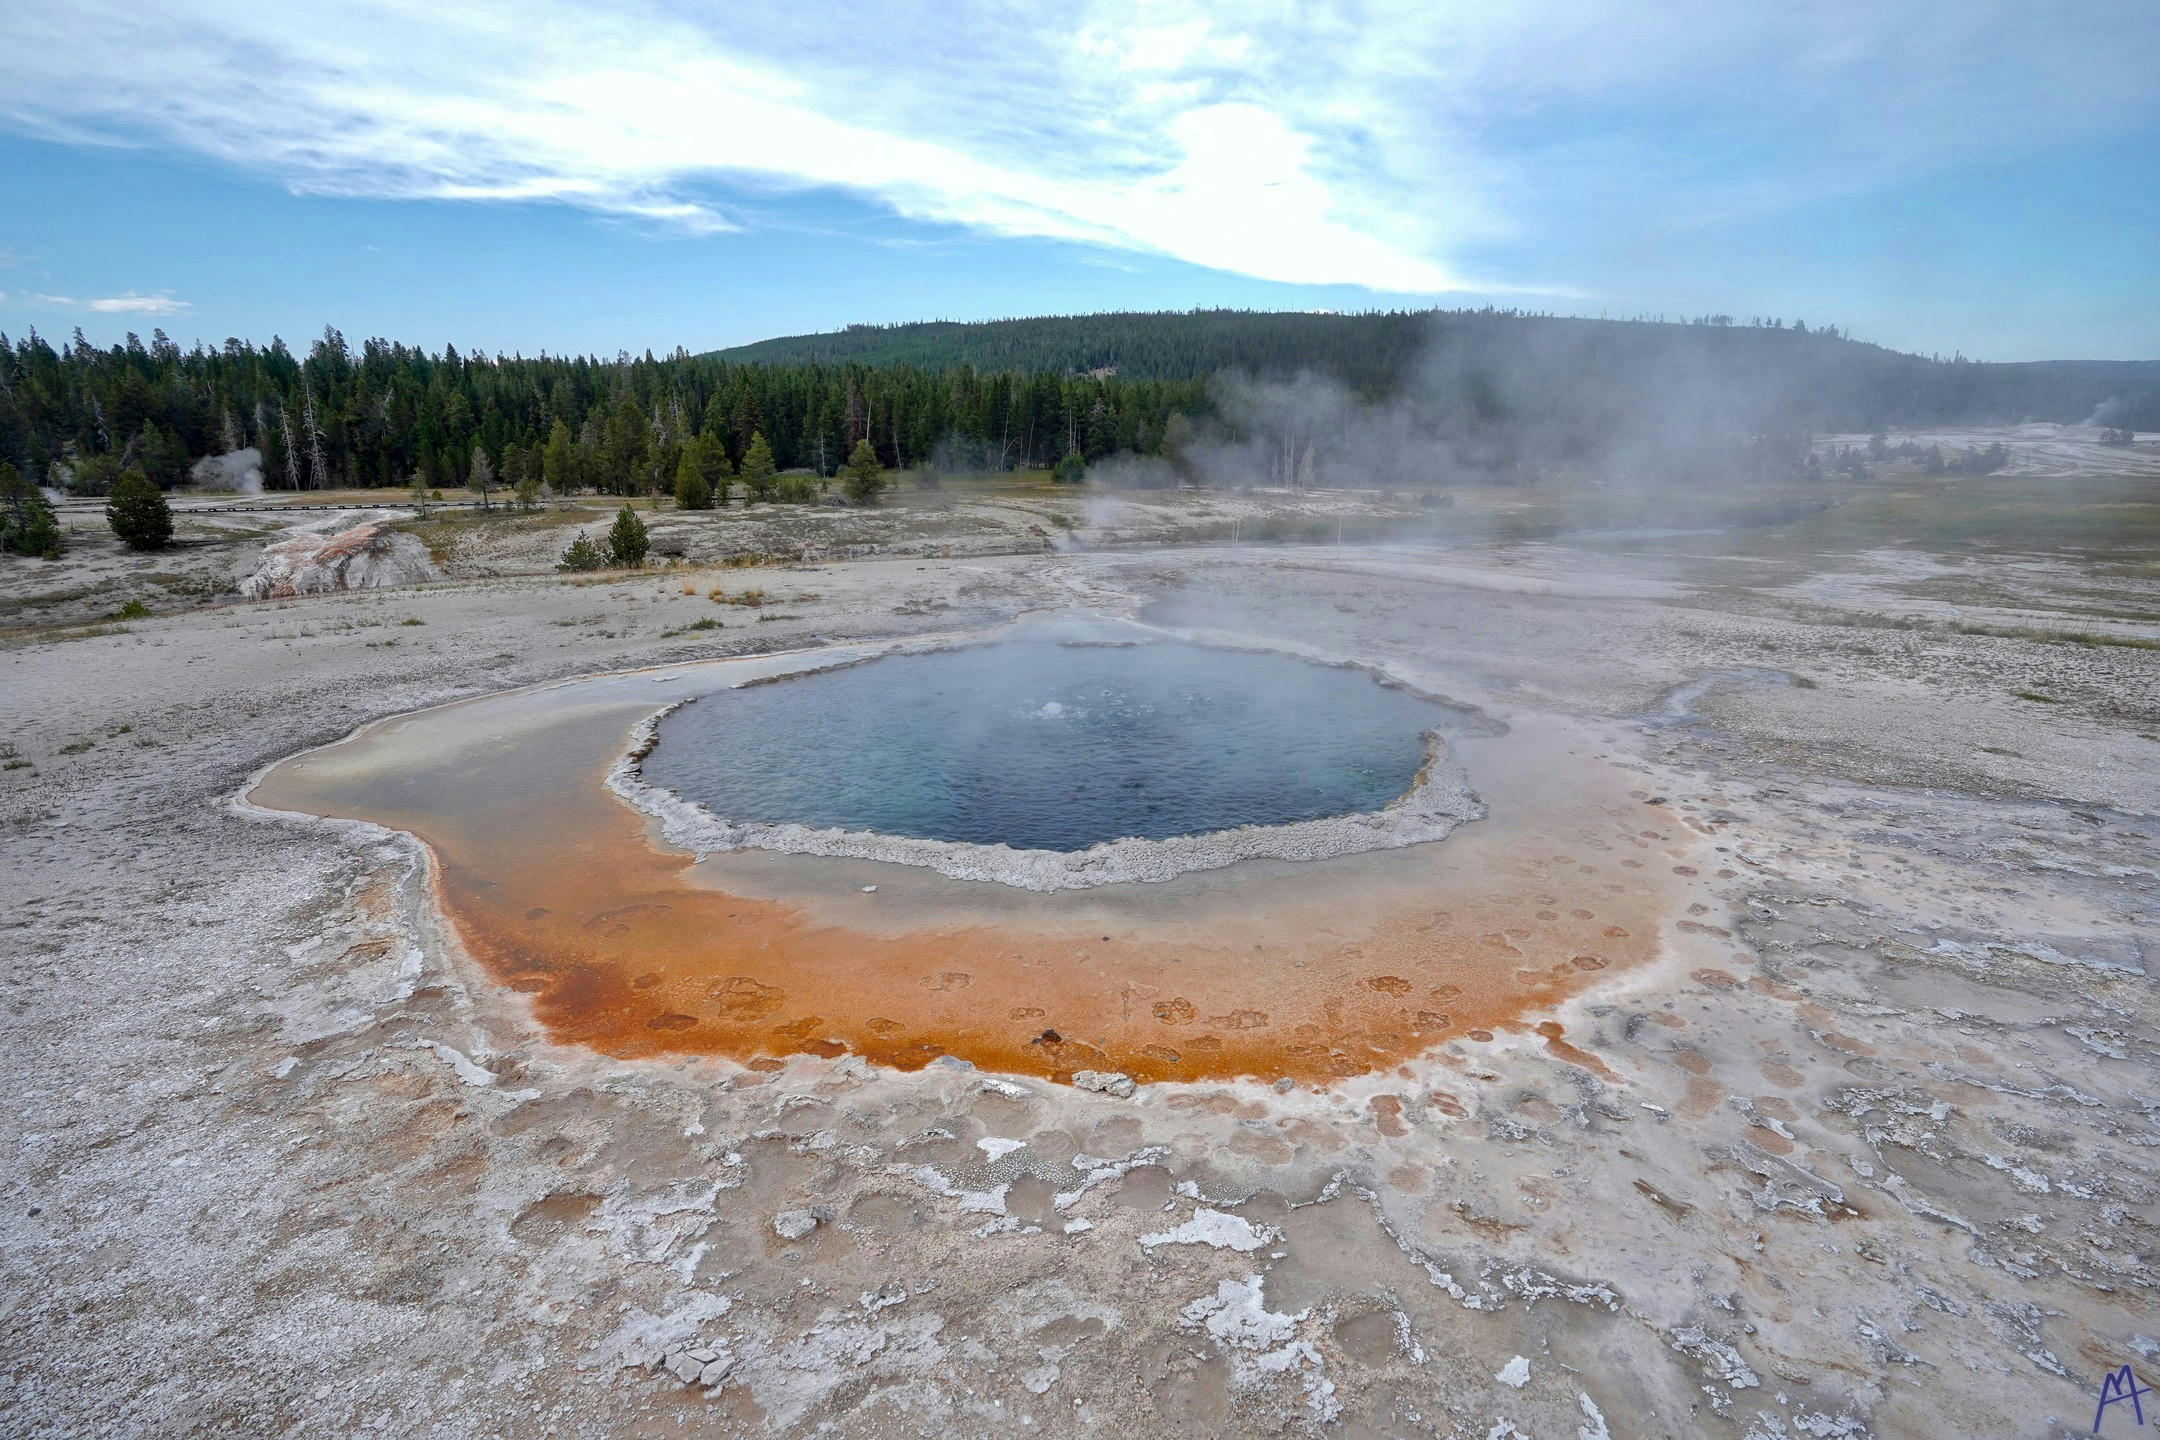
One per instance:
(1416,398)
(77,416)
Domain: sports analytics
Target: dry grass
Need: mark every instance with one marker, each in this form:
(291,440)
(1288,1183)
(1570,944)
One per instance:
(2037,634)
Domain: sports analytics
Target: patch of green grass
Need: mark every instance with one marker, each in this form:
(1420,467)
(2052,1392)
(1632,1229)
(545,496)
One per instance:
(2038,634)
(201,587)
(708,623)
(9,605)
(412,620)
(17,638)
(2057,637)
(76,747)
(2106,515)
(2035,695)
(133,610)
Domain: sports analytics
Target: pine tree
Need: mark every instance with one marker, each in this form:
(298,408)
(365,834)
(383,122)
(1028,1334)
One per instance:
(863,477)
(162,457)
(138,513)
(623,445)
(482,475)
(758,469)
(713,466)
(583,554)
(691,491)
(627,541)
(559,464)
(27,526)
(292,450)
(318,467)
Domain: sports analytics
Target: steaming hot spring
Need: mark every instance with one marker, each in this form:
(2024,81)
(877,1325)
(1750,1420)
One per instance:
(1076,846)
(1056,762)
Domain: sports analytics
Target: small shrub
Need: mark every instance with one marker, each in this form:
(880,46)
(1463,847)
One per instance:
(583,554)
(692,492)
(133,610)
(27,526)
(138,513)
(758,469)
(627,540)
(863,477)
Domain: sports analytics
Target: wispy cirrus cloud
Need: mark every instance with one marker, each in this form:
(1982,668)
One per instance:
(1371,144)
(127,304)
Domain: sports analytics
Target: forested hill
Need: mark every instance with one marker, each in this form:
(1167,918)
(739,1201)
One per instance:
(1366,351)
(1819,378)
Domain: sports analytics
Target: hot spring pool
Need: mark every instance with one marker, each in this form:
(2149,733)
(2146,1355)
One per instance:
(1048,746)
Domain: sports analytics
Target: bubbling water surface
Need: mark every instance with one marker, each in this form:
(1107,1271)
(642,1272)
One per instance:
(1049,746)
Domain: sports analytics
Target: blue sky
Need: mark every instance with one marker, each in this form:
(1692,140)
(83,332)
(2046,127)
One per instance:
(1970,176)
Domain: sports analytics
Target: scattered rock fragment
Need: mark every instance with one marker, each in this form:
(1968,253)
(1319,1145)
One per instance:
(1113,1083)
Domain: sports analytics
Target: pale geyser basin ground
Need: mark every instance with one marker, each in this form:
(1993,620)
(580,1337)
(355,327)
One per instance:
(1307,970)
(284,1159)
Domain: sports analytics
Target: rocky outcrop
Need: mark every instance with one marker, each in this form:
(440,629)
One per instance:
(368,556)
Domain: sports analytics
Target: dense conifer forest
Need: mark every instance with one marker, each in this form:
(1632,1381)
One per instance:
(387,413)
(1007,394)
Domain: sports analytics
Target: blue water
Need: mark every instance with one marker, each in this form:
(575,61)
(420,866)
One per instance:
(1049,746)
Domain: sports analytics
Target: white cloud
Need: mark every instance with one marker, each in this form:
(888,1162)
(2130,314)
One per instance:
(127,304)
(133,304)
(633,112)
(1367,145)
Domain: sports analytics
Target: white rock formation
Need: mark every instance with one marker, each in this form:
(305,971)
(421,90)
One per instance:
(368,556)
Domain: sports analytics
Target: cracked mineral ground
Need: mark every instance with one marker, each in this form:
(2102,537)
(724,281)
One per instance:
(1773,1057)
